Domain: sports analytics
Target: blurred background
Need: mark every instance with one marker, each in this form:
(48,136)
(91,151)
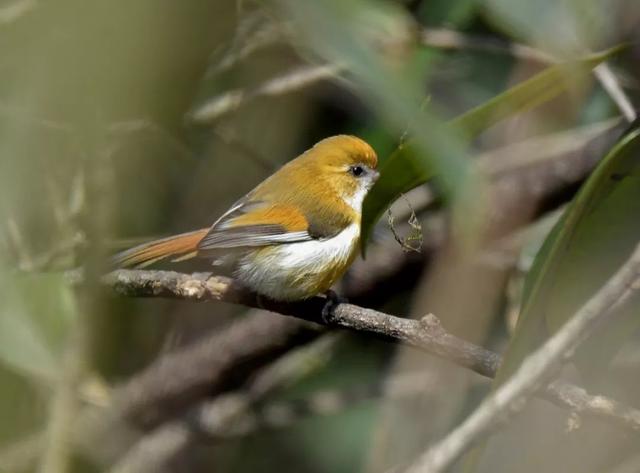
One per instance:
(122,121)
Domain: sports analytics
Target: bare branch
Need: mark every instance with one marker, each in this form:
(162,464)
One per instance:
(236,415)
(534,371)
(443,38)
(426,334)
(289,82)
(226,416)
(255,32)
(611,85)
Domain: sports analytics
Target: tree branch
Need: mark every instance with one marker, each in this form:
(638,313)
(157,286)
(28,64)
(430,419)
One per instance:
(537,368)
(209,366)
(426,334)
(238,414)
(228,415)
(288,82)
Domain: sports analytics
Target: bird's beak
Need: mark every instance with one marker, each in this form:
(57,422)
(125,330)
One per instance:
(375,175)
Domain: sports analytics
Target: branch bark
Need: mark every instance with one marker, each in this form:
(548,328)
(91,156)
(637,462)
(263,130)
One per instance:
(425,334)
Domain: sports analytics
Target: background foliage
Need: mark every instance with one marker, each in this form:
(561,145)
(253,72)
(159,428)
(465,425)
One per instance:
(121,121)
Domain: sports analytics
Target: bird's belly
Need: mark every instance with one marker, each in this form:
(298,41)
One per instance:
(295,271)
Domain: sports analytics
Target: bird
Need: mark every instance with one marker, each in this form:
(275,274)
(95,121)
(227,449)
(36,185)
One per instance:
(295,234)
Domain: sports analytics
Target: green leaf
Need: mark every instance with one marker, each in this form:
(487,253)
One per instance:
(35,313)
(588,244)
(592,239)
(542,87)
(408,168)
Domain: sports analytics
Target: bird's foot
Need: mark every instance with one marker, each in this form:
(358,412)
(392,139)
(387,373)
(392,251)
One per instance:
(332,301)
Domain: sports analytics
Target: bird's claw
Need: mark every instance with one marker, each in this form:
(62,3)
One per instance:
(332,301)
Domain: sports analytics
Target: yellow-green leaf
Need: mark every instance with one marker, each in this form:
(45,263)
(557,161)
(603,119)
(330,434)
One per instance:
(594,237)
(36,311)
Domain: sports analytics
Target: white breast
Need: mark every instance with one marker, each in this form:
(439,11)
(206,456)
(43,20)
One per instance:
(355,201)
(270,271)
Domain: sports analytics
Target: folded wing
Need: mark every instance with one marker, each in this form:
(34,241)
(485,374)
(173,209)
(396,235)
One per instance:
(247,224)
(253,224)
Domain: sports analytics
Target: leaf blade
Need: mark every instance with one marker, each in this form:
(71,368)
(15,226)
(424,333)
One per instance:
(590,241)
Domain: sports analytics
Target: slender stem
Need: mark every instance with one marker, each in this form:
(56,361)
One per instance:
(535,370)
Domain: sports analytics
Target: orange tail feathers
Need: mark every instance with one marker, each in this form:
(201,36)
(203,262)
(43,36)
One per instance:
(178,247)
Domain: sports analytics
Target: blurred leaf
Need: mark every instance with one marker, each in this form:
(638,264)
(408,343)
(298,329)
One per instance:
(409,167)
(35,312)
(590,242)
(593,238)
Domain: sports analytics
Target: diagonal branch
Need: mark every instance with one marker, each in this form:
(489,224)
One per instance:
(426,334)
(290,81)
(539,367)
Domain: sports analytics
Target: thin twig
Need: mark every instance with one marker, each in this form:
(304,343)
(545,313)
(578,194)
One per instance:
(536,369)
(255,32)
(443,38)
(414,240)
(289,82)
(612,86)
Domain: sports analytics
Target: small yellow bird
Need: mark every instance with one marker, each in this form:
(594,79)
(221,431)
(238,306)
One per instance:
(293,235)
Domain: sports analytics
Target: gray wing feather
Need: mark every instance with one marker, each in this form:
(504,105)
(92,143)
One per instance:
(222,235)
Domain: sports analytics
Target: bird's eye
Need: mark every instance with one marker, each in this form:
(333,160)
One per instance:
(356,170)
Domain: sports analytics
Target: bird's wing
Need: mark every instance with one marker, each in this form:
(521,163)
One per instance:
(250,223)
